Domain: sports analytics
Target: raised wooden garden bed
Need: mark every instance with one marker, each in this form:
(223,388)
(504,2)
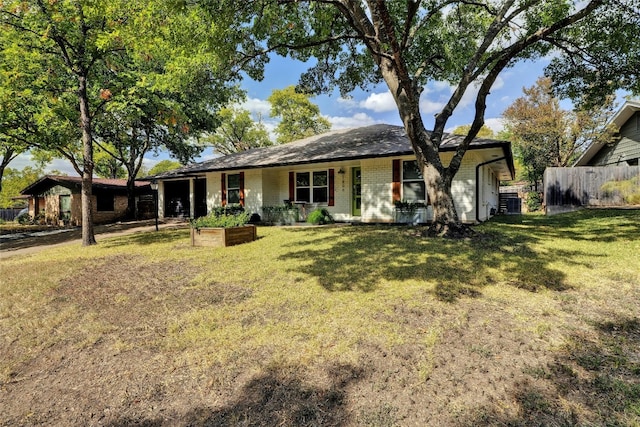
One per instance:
(220,237)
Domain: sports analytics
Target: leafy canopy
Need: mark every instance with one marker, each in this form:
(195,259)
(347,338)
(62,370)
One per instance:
(299,117)
(546,135)
(238,132)
(164,166)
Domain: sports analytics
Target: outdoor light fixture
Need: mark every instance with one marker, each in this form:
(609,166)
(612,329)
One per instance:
(341,172)
(154,187)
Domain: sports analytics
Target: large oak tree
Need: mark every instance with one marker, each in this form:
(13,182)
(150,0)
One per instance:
(408,43)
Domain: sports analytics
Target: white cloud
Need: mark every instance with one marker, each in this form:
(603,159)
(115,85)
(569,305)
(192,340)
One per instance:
(357,120)
(21,161)
(469,97)
(56,165)
(347,102)
(62,166)
(428,106)
(379,102)
(257,106)
(439,86)
(496,124)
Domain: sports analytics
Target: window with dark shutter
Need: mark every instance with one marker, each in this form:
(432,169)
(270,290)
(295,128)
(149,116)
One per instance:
(413,189)
(312,187)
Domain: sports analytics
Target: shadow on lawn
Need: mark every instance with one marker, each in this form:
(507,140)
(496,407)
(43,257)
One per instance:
(358,258)
(592,381)
(146,238)
(275,398)
(597,225)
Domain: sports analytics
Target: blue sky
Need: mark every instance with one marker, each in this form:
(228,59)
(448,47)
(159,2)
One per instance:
(363,108)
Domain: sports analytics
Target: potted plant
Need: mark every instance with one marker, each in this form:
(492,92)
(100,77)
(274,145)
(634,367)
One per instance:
(222,228)
(280,215)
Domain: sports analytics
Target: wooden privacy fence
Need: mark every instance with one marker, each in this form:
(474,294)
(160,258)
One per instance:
(568,189)
(9,214)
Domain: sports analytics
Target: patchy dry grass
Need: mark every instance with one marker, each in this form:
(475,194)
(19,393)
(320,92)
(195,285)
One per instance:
(535,322)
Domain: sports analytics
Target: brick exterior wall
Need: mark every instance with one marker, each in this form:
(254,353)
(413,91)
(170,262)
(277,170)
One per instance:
(52,210)
(270,187)
(377,200)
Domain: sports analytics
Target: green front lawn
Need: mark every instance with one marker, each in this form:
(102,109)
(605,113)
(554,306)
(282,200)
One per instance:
(534,322)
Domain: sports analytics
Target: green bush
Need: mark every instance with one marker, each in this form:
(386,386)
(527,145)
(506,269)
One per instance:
(232,209)
(534,201)
(320,216)
(224,220)
(24,219)
(408,206)
(628,190)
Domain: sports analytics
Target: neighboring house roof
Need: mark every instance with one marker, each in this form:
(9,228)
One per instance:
(619,119)
(344,144)
(48,181)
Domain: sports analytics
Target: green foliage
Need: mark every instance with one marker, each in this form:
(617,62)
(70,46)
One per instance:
(224,220)
(484,132)
(24,219)
(14,181)
(230,209)
(611,60)
(408,44)
(319,217)
(280,214)
(163,166)
(147,75)
(534,201)
(106,166)
(545,135)
(628,189)
(238,132)
(300,117)
(408,206)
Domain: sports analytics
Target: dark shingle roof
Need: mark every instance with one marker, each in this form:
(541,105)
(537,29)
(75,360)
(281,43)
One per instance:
(344,144)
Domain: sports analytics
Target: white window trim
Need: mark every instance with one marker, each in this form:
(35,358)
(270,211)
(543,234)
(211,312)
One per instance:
(403,180)
(311,186)
(230,188)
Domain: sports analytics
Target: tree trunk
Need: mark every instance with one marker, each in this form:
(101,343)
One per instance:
(88,237)
(437,179)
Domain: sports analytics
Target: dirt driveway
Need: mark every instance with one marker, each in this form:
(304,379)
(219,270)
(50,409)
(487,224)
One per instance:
(35,242)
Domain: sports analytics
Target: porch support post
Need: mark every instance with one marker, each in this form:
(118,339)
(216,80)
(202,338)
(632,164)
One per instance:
(160,196)
(192,198)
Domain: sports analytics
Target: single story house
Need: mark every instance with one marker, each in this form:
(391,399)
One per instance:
(625,149)
(58,199)
(356,174)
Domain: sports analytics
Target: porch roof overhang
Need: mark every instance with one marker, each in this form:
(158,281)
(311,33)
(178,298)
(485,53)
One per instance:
(75,182)
(368,142)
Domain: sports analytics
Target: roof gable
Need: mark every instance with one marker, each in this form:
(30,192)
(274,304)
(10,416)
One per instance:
(619,120)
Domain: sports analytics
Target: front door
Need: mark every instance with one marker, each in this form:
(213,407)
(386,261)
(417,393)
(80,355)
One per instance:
(356,191)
